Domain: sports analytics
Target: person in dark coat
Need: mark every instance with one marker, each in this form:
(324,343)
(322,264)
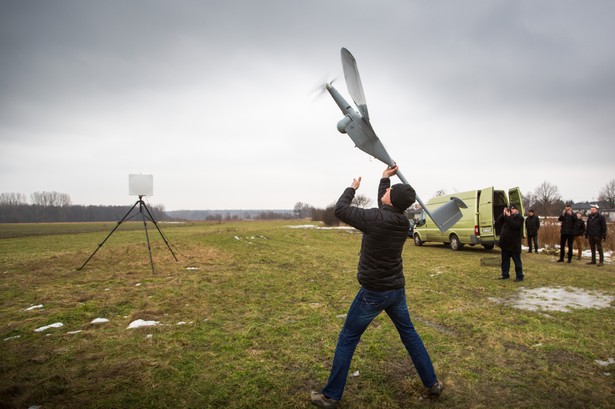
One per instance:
(381,276)
(566,234)
(510,241)
(579,231)
(596,232)
(532,224)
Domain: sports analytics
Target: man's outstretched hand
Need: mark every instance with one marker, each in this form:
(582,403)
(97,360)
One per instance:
(356,183)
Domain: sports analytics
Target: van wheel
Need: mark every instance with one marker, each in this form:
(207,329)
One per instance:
(455,243)
(488,246)
(417,240)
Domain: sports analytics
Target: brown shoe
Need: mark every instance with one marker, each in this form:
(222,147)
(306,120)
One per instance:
(435,390)
(600,264)
(319,399)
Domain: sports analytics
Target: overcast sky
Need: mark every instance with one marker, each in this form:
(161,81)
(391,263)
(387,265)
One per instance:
(218,99)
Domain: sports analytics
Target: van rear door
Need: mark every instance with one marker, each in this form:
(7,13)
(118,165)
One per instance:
(485,214)
(515,198)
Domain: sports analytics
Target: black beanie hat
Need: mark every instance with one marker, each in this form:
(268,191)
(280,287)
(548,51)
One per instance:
(402,196)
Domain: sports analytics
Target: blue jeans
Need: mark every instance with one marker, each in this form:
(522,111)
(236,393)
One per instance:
(506,255)
(365,307)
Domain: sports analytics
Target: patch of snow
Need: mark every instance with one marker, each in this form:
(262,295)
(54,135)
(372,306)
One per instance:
(341,316)
(237,238)
(99,320)
(355,374)
(608,362)
(181,323)
(34,307)
(557,299)
(192,268)
(312,226)
(142,323)
(74,332)
(587,253)
(46,327)
(437,273)
(13,337)
(138,285)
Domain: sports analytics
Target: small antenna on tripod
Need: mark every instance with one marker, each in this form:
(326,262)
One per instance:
(138,185)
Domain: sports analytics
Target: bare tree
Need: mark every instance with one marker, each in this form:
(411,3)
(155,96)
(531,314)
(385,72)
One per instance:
(361,201)
(303,210)
(607,193)
(547,197)
(528,201)
(50,199)
(440,192)
(12,199)
(329,216)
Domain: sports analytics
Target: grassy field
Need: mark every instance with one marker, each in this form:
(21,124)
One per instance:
(250,314)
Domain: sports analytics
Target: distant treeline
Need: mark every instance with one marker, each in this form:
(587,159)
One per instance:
(57,207)
(219,215)
(26,213)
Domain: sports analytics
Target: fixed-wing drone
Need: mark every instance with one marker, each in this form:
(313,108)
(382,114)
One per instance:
(357,126)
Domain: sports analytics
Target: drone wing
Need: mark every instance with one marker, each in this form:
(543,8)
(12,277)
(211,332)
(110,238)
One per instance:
(364,138)
(353,82)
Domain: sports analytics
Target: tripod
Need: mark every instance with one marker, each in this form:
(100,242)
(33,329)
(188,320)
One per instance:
(147,215)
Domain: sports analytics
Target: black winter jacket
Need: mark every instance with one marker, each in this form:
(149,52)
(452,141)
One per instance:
(579,227)
(532,224)
(512,229)
(385,230)
(568,222)
(596,226)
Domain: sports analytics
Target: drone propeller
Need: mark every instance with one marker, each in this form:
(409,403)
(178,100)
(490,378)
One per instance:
(321,88)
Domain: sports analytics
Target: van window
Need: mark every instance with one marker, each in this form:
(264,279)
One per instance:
(422,219)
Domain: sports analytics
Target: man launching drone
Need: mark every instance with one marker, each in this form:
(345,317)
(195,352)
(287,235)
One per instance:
(381,275)
(385,229)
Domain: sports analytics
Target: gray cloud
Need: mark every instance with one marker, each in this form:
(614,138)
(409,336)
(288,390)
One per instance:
(197,91)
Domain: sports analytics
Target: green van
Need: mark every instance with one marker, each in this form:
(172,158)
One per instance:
(477,224)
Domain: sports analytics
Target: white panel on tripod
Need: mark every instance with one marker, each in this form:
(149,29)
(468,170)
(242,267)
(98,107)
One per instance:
(141,185)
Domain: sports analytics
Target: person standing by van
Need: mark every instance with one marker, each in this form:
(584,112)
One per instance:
(568,220)
(579,231)
(532,224)
(596,232)
(510,241)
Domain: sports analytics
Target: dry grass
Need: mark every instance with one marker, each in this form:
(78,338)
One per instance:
(261,322)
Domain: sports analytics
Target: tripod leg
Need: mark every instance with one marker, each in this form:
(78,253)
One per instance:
(149,248)
(151,217)
(109,235)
